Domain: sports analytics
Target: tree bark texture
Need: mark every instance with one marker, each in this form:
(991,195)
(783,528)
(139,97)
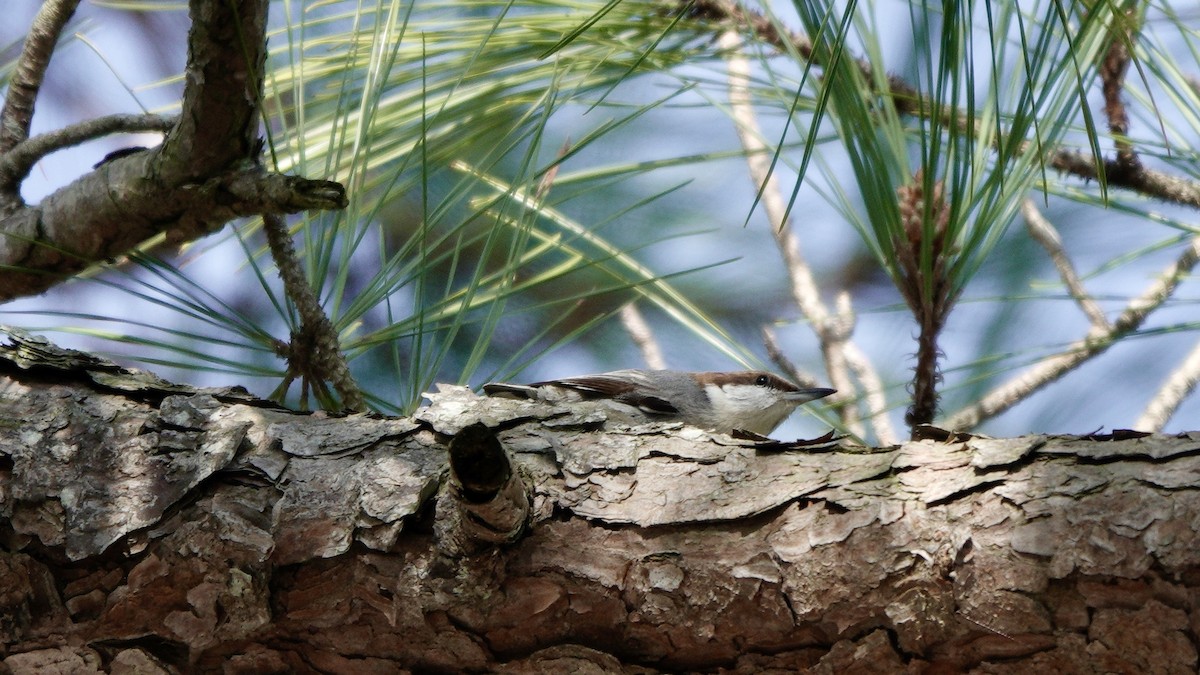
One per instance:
(152,527)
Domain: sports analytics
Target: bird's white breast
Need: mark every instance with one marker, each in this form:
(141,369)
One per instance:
(748,407)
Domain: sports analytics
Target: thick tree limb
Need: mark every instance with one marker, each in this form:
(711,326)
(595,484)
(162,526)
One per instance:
(113,209)
(227,48)
(204,174)
(211,531)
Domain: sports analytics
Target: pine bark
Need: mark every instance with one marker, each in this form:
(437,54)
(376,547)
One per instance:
(159,528)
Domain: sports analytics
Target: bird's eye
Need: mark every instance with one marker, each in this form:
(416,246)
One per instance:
(762,380)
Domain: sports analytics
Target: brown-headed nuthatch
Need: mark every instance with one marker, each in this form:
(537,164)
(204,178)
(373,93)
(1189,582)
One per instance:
(750,400)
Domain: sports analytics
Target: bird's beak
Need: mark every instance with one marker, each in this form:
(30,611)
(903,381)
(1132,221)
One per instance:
(806,395)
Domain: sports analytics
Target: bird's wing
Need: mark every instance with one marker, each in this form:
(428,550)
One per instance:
(619,389)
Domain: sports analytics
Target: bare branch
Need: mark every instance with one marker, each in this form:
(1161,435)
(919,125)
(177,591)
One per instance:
(16,164)
(1179,385)
(639,331)
(26,80)
(832,333)
(1044,233)
(1096,342)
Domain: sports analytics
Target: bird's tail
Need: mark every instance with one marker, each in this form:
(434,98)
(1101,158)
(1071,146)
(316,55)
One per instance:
(506,390)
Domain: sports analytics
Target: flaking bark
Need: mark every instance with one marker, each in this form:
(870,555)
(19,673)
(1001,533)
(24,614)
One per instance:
(183,530)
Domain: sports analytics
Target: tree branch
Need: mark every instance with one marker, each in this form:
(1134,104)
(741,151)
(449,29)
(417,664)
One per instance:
(26,80)
(83,222)
(204,174)
(1098,340)
(314,351)
(227,46)
(196,530)
(1178,386)
(16,164)
(1044,233)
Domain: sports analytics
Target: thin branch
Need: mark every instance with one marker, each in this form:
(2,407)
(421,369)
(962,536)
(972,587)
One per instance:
(1149,182)
(1044,233)
(1112,77)
(1097,341)
(16,164)
(639,331)
(313,352)
(868,377)
(832,333)
(1179,385)
(30,70)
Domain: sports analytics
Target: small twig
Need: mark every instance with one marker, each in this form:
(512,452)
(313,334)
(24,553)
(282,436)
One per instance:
(1044,233)
(1179,385)
(30,70)
(1112,76)
(923,259)
(1096,342)
(16,164)
(639,331)
(313,351)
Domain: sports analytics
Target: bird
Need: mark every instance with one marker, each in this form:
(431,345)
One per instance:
(750,400)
